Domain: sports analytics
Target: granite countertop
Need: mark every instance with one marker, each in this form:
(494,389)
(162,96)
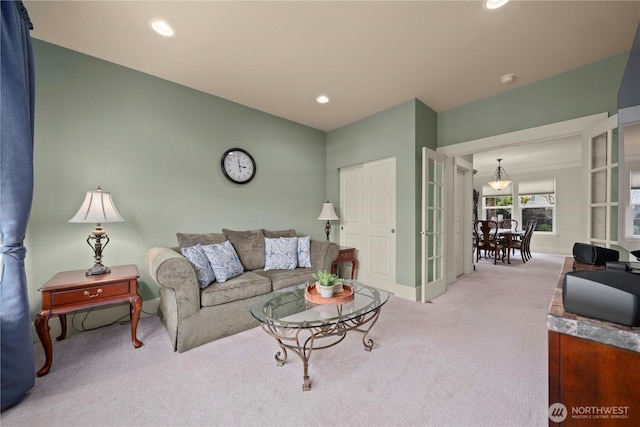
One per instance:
(575,325)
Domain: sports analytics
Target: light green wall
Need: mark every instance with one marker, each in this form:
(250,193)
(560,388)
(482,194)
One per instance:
(588,90)
(156,146)
(396,132)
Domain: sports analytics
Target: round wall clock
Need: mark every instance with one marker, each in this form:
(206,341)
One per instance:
(238,166)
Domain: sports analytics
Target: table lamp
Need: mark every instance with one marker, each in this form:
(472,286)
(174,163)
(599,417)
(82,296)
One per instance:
(97,208)
(328,214)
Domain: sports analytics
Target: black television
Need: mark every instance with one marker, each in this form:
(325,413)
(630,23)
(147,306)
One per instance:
(610,295)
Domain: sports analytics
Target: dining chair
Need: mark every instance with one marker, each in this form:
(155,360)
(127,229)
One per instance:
(511,224)
(523,245)
(484,233)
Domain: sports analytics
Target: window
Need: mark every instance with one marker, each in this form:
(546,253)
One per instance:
(538,201)
(635,212)
(498,206)
(634,202)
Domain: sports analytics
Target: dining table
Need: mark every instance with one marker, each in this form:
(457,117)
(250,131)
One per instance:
(508,235)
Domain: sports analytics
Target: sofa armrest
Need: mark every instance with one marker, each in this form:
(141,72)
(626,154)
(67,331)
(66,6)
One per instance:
(323,253)
(172,270)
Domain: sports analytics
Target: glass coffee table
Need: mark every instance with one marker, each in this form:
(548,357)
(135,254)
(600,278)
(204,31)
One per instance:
(302,326)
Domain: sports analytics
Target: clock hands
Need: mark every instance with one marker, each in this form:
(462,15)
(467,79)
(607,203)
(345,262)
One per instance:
(240,166)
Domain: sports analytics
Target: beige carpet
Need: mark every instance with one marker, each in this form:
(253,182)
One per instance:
(476,356)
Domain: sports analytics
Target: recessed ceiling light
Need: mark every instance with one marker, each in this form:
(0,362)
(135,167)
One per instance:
(162,27)
(322,99)
(495,4)
(507,78)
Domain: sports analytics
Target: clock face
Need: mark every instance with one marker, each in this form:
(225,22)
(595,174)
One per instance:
(238,166)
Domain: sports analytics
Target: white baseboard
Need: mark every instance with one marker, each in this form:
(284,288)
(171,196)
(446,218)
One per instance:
(406,292)
(82,320)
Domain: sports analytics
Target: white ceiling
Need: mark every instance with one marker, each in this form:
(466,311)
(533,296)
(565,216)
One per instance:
(550,154)
(367,56)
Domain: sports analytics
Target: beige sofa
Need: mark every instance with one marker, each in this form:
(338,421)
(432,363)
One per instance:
(195,316)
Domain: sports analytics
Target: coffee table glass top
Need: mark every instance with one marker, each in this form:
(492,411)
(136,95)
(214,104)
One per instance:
(289,308)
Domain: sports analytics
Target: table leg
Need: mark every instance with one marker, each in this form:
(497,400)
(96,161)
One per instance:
(63,326)
(508,248)
(41,323)
(136,308)
(366,341)
(281,356)
(304,346)
(354,266)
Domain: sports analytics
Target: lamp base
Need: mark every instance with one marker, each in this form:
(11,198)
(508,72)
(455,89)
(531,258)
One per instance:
(97,269)
(98,234)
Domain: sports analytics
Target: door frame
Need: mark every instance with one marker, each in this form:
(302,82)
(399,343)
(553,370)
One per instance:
(572,127)
(464,165)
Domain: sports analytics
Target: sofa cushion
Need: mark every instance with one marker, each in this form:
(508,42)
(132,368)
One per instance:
(196,256)
(192,239)
(284,278)
(244,286)
(224,260)
(304,252)
(281,253)
(249,246)
(279,233)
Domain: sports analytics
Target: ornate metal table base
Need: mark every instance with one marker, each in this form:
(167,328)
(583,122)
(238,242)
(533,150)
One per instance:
(301,340)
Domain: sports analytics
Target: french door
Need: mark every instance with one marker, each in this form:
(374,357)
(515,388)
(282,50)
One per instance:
(433,224)
(600,154)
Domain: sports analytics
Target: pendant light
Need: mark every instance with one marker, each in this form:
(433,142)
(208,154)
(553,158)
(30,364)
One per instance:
(500,178)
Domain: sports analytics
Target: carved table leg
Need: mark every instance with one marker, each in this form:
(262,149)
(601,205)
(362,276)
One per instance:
(136,308)
(63,326)
(42,327)
(281,356)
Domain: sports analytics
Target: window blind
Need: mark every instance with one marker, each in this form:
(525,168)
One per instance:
(541,186)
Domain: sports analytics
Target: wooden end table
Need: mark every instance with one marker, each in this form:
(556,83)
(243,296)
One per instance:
(74,290)
(346,254)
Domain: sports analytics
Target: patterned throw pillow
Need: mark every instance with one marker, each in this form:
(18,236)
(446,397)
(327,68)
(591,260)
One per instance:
(304,252)
(281,253)
(197,258)
(224,261)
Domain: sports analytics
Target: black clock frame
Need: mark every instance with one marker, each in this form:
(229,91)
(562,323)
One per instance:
(224,171)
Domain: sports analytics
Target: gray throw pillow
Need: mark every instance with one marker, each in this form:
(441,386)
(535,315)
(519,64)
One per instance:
(280,233)
(186,240)
(249,246)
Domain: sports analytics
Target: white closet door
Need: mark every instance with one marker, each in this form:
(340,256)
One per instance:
(368,219)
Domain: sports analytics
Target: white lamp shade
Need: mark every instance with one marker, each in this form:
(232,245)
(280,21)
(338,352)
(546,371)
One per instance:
(328,213)
(499,185)
(97,208)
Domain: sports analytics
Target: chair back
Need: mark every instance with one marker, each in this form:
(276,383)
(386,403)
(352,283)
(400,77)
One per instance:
(531,225)
(510,223)
(483,231)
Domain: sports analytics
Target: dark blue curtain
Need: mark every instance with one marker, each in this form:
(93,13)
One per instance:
(16,192)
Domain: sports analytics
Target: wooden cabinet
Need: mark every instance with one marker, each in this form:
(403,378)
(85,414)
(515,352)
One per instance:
(599,384)
(594,368)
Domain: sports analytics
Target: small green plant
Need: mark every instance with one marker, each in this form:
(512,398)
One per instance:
(325,278)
